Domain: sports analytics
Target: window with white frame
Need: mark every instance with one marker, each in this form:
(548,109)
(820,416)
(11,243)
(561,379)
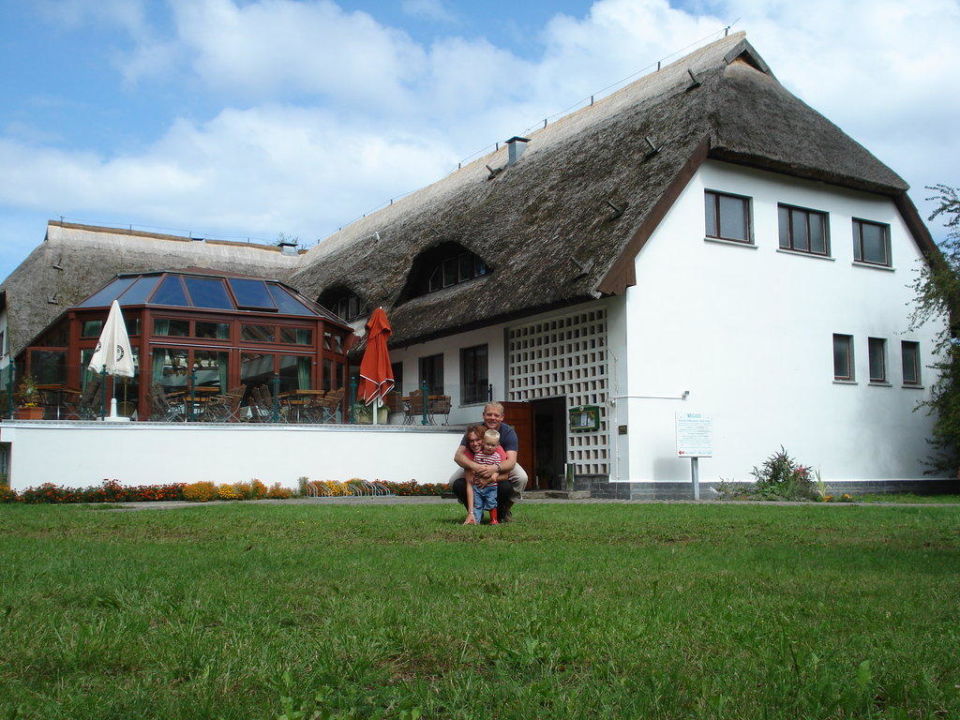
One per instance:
(843,358)
(431,373)
(910,355)
(803,230)
(727,217)
(474,383)
(877,355)
(871,242)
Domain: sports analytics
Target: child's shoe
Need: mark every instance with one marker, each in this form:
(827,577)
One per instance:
(493,517)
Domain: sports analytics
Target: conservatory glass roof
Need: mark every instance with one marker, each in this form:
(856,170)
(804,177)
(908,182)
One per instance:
(205,291)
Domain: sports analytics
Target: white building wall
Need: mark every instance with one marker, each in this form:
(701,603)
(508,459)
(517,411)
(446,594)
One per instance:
(748,332)
(450,348)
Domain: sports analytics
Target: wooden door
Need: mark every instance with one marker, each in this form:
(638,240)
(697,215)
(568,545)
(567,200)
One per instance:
(520,415)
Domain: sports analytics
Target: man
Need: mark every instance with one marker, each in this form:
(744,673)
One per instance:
(513,478)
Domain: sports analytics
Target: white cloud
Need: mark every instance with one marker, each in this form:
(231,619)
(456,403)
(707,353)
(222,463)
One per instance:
(328,113)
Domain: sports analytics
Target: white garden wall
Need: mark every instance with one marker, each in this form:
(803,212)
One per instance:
(78,454)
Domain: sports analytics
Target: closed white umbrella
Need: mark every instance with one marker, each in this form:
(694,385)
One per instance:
(113,352)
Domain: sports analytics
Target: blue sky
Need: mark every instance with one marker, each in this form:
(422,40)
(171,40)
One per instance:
(250,118)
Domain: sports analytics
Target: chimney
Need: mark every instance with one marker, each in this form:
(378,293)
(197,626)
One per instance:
(288,247)
(515,147)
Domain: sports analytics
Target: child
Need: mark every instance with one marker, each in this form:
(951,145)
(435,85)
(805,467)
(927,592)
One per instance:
(482,492)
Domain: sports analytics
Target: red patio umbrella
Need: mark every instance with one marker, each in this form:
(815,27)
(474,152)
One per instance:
(376,375)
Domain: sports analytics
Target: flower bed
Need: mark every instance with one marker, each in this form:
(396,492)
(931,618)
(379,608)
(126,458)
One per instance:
(111,491)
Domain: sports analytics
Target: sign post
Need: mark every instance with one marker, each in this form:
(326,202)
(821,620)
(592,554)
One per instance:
(694,440)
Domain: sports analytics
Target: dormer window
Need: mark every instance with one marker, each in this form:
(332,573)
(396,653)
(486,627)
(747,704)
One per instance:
(345,303)
(441,267)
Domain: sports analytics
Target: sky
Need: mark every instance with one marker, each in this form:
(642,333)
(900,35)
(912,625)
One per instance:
(252,119)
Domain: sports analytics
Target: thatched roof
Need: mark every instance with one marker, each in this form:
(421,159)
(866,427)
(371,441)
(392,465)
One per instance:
(561,225)
(75,260)
(565,222)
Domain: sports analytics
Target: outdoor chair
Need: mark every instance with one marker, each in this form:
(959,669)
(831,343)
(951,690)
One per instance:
(87,404)
(330,404)
(438,405)
(161,409)
(261,405)
(413,408)
(224,407)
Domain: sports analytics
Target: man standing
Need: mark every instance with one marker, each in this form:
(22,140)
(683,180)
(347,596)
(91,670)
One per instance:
(512,477)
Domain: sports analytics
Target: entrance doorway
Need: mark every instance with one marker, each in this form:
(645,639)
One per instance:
(550,443)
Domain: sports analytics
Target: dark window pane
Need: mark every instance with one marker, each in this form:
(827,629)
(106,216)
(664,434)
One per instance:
(431,373)
(818,235)
(107,295)
(479,267)
(798,225)
(140,291)
(295,372)
(258,333)
(210,368)
(878,360)
(783,217)
(296,336)
(910,352)
(843,357)
(733,218)
(91,328)
(171,328)
(465,270)
(170,292)
(710,207)
(256,369)
(449,272)
(48,367)
(213,330)
(436,279)
(208,293)
(252,294)
(170,368)
(473,374)
(132,324)
(873,243)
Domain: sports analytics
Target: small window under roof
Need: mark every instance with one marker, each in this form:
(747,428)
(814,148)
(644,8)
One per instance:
(110,293)
(252,294)
(171,292)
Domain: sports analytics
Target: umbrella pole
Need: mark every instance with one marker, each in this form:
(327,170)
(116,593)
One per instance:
(376,410)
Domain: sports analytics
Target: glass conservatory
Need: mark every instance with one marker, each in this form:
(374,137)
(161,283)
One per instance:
(253,349)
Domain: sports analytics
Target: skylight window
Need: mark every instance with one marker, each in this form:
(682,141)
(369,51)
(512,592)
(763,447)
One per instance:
(252,294)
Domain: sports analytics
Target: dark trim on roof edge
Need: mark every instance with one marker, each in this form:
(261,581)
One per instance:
(744,48)
(487,322)
(622,274)
(921,234)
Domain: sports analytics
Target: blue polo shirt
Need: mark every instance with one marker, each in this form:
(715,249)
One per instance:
(508,438)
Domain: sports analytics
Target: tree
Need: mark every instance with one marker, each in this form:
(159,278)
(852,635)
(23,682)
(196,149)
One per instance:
(938,295)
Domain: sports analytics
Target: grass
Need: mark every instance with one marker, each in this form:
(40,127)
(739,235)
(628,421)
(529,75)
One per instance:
(576,611)
(911,498)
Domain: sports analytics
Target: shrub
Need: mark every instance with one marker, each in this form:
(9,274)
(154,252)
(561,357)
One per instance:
(278,492)
(780,477)
(228,492)
(199,492)
(257,489)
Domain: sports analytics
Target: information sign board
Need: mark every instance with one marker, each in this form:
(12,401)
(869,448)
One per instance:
(694,434)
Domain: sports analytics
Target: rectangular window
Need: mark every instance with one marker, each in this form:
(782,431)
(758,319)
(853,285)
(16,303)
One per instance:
(212,330)
(803,230)
(871,242)
(431,373)
(171,328)
(910,353)
(843,357)
(728,216)
(474,384)
(877,348)
(258,333)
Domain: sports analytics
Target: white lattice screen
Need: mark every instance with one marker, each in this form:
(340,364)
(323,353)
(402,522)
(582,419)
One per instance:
(565,356)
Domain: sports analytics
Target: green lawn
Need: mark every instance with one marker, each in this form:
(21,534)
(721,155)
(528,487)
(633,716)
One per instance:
(575,611)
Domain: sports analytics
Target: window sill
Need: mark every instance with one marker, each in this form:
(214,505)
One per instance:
(912,387)
(481,403)
(845,382)
(873,266)
(800,253)
(735,243)
(879,383)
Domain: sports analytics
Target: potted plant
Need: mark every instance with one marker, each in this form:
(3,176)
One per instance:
(27,397)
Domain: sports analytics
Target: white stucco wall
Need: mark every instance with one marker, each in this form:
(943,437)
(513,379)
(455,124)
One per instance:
(82,454)
(748,332)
